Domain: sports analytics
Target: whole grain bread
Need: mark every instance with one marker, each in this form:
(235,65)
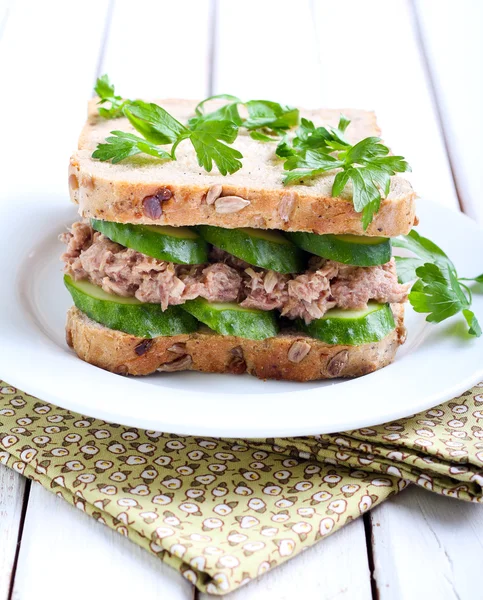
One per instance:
(289,356)
(143,189)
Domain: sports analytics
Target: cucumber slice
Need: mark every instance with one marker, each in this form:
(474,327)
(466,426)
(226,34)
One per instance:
(229,318)
(352,327)
(128,314)
(175,244)
(359,250)
(260,247)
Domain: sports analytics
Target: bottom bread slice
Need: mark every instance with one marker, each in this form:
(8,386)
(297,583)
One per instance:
(289,356)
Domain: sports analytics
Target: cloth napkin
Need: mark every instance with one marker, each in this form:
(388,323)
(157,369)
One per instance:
(224,511)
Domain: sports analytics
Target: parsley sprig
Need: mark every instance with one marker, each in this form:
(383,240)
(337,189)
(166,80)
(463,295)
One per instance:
(437,291)
(121,145)
(367,164)
(267,121)
(157,127)
(105,90)
(209,133)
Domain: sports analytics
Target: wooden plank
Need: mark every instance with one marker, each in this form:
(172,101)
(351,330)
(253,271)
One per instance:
(65,549)
(12,488)
(256,57)
(160,49)
(451,37)
(370,58)
(135,61)
(287,68)
(334,568)
(401,96)
(44,51)
(414,545)
(427,546)
(12,485)
(4,12)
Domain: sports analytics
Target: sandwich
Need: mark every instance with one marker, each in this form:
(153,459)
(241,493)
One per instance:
(234,237)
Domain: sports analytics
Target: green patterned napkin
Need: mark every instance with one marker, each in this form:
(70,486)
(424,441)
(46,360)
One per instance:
(224,511)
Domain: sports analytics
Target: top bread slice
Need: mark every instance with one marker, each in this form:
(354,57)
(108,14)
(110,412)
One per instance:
(180,188)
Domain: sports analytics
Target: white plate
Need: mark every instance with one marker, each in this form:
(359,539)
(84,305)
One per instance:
(435,364)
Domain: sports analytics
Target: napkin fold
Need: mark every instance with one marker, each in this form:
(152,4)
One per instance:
(224,511)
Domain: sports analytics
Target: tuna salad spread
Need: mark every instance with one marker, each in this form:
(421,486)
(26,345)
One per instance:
(326,284)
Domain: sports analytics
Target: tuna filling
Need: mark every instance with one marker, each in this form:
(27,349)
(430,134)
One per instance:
(326,284)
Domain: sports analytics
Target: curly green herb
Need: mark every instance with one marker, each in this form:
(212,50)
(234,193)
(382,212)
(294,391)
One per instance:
(367,164)
(437,291)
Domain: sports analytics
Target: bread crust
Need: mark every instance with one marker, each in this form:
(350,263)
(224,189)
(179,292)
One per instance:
(116,192)
(209,352)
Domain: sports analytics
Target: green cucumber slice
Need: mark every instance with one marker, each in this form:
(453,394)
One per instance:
(128,314)
(352,327)
(175,244)
(359,250)
(232,319)
(260,247)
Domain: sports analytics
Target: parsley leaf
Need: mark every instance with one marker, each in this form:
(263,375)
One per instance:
(315,161)
(311,159)
(205,138)
(438,291)
(425,250)
(262,137)
(228,112)
(154,123)
(266,120)
(437,295)
(105,90)
(270,115)
(122,145)
(329,138)
(367,164)
(406,266)
(473,325)
(365,195)
(233,100)
(284,148)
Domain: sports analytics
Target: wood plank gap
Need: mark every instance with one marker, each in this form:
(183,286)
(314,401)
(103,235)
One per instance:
(25,501)
(213,46)
(434,96)
(4,19)
(105,39)
(370,554)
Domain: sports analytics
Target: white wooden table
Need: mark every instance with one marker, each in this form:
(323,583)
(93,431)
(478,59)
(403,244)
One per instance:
(419,65)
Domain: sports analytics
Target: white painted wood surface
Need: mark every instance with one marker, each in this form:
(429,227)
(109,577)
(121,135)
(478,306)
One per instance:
(318,52)
(51,47)
(4,12)
(160,49)
(275,65)
(400,544)
(454,47)
(428,546)
(12,487)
